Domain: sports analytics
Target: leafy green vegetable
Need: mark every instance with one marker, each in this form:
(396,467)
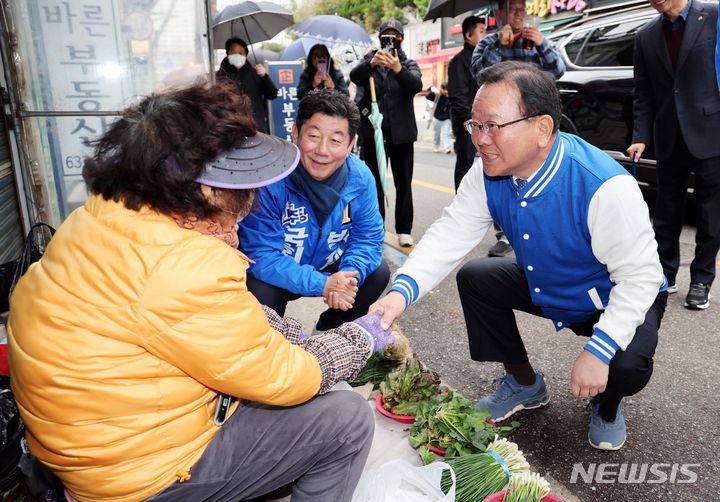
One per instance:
(426,455)
(405,389)
(455,425)
(375,371)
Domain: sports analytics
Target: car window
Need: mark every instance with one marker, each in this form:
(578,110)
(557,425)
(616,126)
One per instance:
(557,39)
(610,45)
(575,45)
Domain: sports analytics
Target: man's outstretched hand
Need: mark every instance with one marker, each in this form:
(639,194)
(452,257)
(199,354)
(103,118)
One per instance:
(390,306)
(589,375)
(378,337)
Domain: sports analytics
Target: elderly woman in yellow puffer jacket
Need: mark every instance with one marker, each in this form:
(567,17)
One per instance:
(129,336)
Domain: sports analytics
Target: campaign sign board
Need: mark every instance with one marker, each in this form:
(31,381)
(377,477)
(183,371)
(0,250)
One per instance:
(286,75)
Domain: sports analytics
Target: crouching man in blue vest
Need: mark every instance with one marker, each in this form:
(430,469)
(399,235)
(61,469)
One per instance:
(318,232)
(585,253)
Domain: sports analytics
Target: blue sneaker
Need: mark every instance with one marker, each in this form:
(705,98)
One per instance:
(510,396)
(606,435)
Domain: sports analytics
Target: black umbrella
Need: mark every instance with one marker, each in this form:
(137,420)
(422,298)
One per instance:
(452,8)
(260,55)
(251,21)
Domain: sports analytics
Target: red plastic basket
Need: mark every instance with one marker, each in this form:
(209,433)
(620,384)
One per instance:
(403,419)
(435,450)
(497,497)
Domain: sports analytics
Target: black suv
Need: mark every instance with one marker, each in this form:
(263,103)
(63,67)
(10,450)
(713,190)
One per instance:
(597,88)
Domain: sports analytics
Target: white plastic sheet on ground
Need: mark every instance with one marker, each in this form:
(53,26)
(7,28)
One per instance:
(400,481)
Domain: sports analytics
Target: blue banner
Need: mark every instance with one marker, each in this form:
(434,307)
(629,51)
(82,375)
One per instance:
(286,75)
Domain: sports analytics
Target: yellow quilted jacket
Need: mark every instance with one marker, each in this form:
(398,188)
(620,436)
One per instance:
(120,338)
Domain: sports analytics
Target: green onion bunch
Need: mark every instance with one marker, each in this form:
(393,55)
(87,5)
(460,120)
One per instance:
(509,451)
(526,487)
(478,475)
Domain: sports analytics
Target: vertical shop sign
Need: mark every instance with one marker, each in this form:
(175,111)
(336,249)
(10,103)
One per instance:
(286,75)
(80,70)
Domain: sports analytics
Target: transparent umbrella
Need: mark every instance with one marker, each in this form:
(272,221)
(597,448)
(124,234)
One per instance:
(333,29)
(376,119)
(299,49)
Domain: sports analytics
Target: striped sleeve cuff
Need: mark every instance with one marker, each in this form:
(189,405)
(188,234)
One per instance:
(602,346)
(406,286)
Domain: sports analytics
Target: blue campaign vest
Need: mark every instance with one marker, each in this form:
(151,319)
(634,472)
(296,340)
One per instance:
(307,243)
(546,223)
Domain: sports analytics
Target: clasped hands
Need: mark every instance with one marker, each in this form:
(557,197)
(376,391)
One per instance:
(340,290)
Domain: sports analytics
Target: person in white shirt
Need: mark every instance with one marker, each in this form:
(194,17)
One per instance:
(585,253)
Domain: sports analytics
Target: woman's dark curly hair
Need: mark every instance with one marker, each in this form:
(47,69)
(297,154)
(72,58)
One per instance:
(155,151)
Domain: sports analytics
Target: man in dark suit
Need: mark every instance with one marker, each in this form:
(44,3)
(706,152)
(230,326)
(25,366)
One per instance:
(462,88)
(717,54)
(678,105)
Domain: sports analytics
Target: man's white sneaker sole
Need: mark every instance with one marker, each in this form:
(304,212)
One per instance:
(702,306)
(520,407)
(604,445)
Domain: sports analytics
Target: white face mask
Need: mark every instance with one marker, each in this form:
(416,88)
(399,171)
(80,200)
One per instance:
(237,60)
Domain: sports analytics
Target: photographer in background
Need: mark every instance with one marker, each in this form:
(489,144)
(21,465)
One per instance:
(397,80)
(320,73)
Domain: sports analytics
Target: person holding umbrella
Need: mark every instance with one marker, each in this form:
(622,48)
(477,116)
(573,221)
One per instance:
(320,73)
(252,81)
(396,81)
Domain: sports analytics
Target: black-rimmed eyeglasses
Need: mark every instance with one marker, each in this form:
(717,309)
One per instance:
(490,127)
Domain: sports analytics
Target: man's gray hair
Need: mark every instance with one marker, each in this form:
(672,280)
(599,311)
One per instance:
(538,92)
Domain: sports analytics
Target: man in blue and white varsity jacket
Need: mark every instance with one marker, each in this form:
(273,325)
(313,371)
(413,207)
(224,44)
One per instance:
(586,256)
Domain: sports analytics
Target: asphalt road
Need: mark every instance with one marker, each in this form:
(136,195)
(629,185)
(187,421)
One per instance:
(672,423)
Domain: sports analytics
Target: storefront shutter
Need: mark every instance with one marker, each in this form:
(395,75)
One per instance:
(11,233)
